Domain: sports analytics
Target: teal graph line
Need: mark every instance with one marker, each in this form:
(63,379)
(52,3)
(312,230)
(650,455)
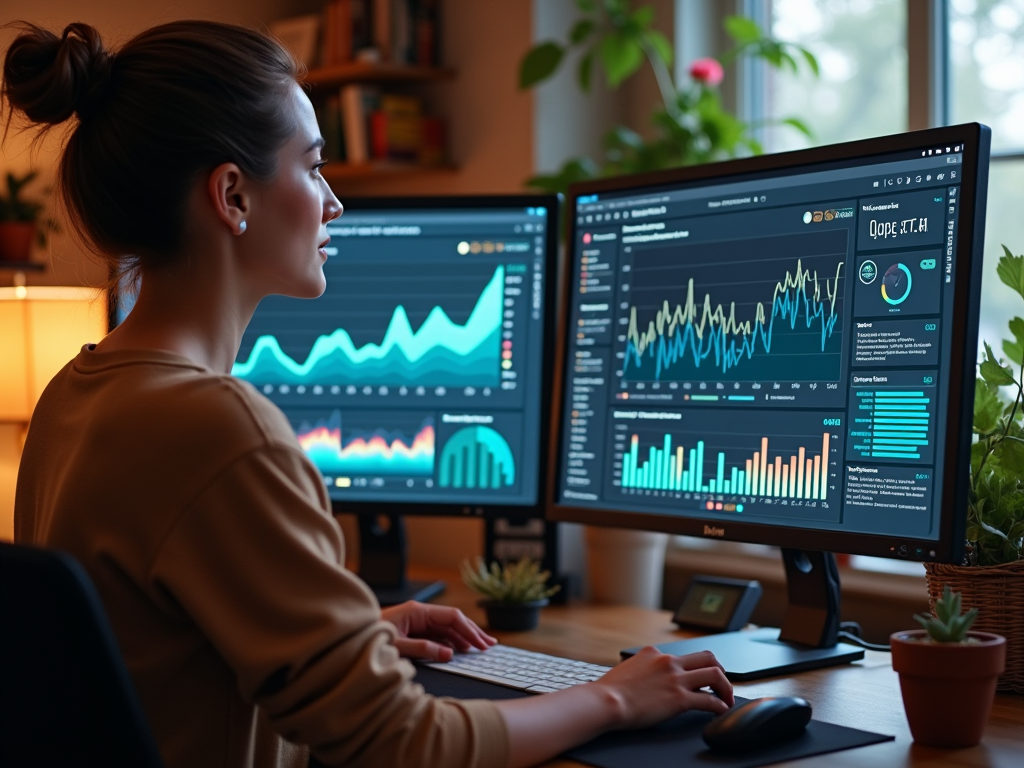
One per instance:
(440,352)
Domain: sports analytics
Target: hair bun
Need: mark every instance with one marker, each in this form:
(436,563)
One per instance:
(50,78)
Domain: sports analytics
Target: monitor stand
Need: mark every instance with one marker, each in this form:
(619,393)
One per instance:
(382,559)
(810,629)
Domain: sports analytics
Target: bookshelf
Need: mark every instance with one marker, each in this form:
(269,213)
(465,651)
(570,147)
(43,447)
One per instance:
(373,58)
(333,172)
(326,78)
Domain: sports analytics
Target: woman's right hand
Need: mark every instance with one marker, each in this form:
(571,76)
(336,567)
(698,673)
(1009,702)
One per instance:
(652,686)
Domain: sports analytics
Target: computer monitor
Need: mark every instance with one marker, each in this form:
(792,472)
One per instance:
(419,383)
(778,350)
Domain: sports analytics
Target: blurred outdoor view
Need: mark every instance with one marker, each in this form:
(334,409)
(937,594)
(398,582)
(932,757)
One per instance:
(862,92)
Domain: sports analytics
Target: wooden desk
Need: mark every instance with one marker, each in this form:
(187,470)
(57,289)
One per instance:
(863,695)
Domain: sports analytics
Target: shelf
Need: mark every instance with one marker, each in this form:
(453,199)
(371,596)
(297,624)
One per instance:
(22,266)
(377,170)
(361,72)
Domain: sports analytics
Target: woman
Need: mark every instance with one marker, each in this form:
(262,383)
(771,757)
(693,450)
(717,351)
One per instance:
(195,159)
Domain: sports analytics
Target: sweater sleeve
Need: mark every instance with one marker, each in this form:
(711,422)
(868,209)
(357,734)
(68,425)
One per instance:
(257,563)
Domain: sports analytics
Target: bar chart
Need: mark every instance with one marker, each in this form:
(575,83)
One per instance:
(795,460)
(895,422)
(676,469)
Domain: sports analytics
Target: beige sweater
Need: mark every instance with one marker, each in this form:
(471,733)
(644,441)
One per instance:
(209,536)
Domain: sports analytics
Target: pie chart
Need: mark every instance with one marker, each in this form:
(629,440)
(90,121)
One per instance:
(896,284)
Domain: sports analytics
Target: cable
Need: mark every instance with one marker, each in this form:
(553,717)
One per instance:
(855,640)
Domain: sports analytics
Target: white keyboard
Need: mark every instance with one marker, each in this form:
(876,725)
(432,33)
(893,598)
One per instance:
(522,670)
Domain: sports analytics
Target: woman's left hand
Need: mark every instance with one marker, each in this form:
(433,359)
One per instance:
(431,632)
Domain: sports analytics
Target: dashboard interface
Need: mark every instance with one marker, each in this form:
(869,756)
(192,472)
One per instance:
(773,350)
(416,376)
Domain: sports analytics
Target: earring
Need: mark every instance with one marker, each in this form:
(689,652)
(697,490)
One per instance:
(241,227)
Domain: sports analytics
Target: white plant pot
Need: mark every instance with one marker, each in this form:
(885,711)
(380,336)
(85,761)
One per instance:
(625,567)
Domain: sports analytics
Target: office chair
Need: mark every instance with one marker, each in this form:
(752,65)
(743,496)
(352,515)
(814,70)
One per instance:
(65,695)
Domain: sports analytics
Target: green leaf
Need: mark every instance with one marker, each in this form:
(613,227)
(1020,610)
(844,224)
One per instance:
(621,57)
(993,372)
(586,68)
(1011,271)
(812,62)
(643,17)
(587,6)
(987,409)
(1010,452)
(581,30)
(661,46)
(800,125)
(741,29)
(539,64)
(1015,349)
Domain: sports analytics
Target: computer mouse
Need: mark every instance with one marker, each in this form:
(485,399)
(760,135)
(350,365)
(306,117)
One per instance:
(758,723)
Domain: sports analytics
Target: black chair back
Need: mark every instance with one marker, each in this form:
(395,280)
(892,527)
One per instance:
(65,696)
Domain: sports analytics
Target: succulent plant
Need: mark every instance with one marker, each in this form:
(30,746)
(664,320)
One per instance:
(948,625)
(520,582)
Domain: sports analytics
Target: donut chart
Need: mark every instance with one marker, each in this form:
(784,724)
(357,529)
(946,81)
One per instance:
(896,284)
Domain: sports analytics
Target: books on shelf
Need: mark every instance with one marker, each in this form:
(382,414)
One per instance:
(360,125)
(389,31)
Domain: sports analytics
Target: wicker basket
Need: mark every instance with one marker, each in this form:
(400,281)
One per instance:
(997,591)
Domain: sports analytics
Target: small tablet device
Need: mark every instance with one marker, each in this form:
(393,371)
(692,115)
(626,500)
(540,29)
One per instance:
(718,605)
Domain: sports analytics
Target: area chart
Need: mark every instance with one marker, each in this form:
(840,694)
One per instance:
(740,313)
(438,353)
(364,453)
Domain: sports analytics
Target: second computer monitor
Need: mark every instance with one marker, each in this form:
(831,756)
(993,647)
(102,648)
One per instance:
(418,382)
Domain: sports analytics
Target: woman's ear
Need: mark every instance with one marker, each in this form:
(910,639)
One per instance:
(229,194)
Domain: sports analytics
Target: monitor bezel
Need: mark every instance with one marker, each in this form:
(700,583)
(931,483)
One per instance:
(949,547)
(433,202)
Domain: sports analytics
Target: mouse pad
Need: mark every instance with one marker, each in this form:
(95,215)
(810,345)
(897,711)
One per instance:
(673,743)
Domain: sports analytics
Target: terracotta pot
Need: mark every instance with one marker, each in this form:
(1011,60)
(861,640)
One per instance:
(16,240)
(512,617)
(948,688)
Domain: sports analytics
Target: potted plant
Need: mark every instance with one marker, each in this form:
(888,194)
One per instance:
(691,125)
(513,593)
(948,675)
(18,220)
(991,579)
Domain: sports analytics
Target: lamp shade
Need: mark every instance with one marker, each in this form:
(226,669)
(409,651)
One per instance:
(41,329)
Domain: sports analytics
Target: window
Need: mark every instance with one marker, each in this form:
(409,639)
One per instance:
(868,51)
(862,89)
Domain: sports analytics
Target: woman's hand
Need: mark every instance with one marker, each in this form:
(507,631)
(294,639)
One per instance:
(653,686)
(428,631)
(644,690)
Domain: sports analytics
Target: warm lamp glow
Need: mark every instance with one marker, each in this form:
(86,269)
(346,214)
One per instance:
(41,329)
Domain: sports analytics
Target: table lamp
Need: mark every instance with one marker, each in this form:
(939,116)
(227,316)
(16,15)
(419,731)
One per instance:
(41,329)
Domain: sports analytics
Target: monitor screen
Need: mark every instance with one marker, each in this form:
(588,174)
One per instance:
(416,381)
(780,349)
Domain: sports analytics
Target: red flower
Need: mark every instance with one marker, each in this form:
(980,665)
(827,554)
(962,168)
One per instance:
(707,71)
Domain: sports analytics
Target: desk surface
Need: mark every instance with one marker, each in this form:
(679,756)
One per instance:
(863,695)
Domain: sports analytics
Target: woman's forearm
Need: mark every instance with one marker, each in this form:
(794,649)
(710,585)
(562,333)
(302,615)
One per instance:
(541,727)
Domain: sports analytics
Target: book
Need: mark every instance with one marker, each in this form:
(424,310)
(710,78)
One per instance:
(299,35)
(382,28)
(395,128)
(358,102)
(337,36)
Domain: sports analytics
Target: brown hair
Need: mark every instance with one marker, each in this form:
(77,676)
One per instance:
(175,101)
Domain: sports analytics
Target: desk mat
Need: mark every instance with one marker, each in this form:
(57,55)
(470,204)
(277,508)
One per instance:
(669,745)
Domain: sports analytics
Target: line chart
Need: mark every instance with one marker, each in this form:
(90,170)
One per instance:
(754,322)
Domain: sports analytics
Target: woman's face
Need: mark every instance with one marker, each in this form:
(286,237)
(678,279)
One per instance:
(286,231)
